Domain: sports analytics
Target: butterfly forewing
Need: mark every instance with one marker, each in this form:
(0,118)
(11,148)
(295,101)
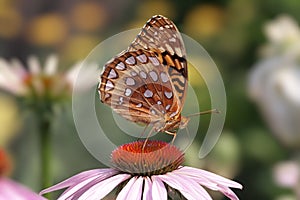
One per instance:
(138,87)
(161,35)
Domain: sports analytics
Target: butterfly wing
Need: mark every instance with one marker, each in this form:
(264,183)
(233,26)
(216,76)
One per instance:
(161,36)
(138,87)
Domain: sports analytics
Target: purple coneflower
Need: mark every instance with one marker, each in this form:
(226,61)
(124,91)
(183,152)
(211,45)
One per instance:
(10,189)
(40,87)
(154,172)
(34,79)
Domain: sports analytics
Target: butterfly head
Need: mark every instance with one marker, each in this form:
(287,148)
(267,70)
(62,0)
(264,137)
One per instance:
(172,123)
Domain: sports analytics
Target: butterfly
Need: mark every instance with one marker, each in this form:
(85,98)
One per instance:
(147,83)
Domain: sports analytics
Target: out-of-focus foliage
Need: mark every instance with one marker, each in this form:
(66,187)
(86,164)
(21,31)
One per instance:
(236,34)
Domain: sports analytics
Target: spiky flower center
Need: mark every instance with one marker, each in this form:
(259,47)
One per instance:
(155,158)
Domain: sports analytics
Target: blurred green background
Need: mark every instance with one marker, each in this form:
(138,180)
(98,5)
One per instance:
(231,31)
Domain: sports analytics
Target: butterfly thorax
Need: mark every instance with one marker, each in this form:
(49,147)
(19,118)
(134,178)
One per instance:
(171,123)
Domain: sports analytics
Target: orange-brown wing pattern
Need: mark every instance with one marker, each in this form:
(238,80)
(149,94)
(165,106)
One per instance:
(137,86)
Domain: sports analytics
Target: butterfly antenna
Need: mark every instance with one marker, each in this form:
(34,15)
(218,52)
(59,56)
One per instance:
(142,134)
(148,136)
(205,112)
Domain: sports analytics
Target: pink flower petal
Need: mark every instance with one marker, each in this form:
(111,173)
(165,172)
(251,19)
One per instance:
(287,174)
(187,187)
(51,65)
(147,195)
(78,178)
(190,171)
(34,65)
(159,191)
(200,180)
(132,190)
(14,191)
(124,192)
(210,180)
(18,68)
(79,75)
(10,80)
(72,73)
(228,193)
(76,188)
(84,187)
(103,188)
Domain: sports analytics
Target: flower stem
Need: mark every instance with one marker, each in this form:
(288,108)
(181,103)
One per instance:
(46,151)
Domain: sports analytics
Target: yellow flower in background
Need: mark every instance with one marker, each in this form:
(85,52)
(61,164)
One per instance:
(9,120)
(10,21)
(88,16)
(204,21)
(195,78)
(135,23)
(78,46)
(154,7)
(47,30)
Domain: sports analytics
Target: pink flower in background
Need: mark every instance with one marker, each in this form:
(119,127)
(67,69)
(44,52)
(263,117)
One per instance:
(9,189)
(35,79)
(287,174)
(154,172)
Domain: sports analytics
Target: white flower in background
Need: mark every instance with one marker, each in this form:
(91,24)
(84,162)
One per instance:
(282,29)
(274,86)
(283,34)
(36,80)
(9,120)
(274,83)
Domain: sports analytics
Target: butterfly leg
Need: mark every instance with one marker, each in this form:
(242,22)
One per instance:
(172,133)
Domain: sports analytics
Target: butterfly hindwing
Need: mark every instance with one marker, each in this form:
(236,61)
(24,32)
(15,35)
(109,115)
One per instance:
(138,87)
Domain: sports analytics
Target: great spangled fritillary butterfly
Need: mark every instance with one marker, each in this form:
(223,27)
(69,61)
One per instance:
(147,83)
